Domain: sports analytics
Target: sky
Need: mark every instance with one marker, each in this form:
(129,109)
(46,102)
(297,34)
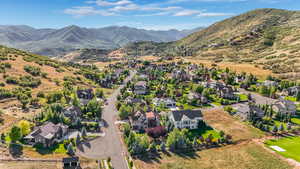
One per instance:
(146,14)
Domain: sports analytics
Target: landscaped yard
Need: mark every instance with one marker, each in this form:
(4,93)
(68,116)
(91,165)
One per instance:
(243,97)
(204,132)
(293,99)
(291,145)
(247,155)
(57,151)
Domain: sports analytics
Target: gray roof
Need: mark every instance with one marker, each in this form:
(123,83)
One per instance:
(141,83)
(47,130)
(191,114)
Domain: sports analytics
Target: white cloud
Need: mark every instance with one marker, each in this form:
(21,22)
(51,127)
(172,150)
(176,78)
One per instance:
(109,3)
(130,7)
(135,7)
(86,10)
(214,14)
(186,12)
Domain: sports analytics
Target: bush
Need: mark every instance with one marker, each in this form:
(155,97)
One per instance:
(33,70)
(11,80)
(28,81)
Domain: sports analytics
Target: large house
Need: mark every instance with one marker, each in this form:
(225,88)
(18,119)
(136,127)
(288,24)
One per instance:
(181,75)
(186,118)
(285,107)
(140,88)
(293,91)
(193,96)
(142,121)
(47,134)
(167,102)
(226,93)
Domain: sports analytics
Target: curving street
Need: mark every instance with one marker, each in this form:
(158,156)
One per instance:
(110,145)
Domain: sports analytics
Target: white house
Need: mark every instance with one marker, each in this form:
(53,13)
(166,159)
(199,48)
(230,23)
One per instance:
(186,118)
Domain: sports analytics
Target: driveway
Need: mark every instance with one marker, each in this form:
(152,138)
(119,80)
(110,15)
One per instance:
(110,145)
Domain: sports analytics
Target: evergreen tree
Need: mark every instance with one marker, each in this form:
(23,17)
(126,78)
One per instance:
(83,132)
(15,134)
(70,150)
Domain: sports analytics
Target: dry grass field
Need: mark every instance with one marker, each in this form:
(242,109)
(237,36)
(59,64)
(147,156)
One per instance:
(30,165)
(221,120)
(44,165)
(246,155)
(240,67)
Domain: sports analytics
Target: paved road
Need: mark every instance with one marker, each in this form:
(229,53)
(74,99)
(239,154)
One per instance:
(110,145)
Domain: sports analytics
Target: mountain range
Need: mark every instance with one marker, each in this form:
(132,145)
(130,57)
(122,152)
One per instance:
(55,42)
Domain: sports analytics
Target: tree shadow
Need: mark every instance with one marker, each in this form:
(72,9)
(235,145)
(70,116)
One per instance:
(45,150)
(16,150)
(105,124)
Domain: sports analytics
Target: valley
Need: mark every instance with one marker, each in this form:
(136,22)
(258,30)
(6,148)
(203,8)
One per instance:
(220,97)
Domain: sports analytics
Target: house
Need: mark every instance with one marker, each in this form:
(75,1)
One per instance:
(181,75)
(186,118)
(293,91)
(71,163)
(138,121)
(142,121)
(47,134)
(133,101)
(285,107)
(256,111)
(140,88)
(239,79)
(193,96)
(152,120)
(72,112)
(226,93)
(213,85)
(269,83)
(167,102)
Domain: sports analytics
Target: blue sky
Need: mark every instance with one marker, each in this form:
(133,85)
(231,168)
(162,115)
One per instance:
(147,14)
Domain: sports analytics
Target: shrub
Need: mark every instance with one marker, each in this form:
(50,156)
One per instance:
(33,70)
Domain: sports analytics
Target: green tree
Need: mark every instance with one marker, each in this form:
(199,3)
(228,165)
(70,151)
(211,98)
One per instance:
(177,139)
(70,149)
(15,134)
(298,96)
(25,127)
(24,99)
(83,132)
(2,138)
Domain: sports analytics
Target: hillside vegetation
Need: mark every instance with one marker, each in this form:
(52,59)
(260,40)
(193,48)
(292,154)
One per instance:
(268,38)
(25,76)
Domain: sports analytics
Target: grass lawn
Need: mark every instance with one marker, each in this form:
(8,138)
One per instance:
(204,132)
(247,155)
(290,144)
(216,103)
(243,97)
(293,99)
(296,120)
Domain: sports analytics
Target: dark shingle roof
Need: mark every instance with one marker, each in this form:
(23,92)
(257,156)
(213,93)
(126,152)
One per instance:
(70,159)
(178,114)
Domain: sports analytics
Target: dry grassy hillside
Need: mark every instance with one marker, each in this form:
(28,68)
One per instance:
(266,37)
(23,76)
